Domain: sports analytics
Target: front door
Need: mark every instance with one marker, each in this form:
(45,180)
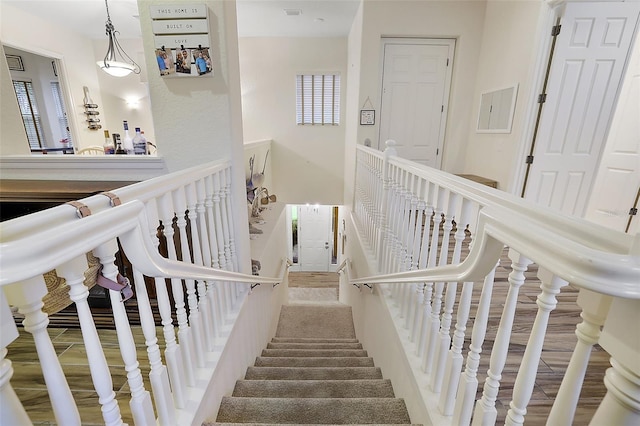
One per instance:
(585,75)
(416,77)
(314,238)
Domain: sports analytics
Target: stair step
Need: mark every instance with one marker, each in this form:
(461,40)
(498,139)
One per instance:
(312,373)
(310,340)
(314,352)
(314,388)
(313,410)
(278,345)
(334,361)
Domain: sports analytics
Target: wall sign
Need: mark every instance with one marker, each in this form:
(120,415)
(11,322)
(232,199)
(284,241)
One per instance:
(181,38)
(367,117)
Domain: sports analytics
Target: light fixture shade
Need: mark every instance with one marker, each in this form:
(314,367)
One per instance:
(116,62)
(116,68)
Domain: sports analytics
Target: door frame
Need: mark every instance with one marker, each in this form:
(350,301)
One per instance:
(451,44)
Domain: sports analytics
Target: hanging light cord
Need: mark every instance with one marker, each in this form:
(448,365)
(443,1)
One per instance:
(114,45)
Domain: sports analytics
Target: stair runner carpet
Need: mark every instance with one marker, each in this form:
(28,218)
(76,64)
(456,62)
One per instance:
(313,372)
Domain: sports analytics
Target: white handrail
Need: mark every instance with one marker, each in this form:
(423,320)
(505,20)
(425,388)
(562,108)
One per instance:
(582,266)
(126,222)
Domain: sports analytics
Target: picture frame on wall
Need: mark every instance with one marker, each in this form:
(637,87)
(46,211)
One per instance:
(367,117)
(15,62)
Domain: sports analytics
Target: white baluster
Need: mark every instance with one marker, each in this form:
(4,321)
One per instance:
(621,404)
(595,308)
(11,410)
(229,210)
(220,239)
(444,338)
(78,292)
(205,232)
(196,221)
(215,288)
(141,406)
(158,376)
(525,380)
(433,322)
(184,333)
(195,321)
(172,353)
(468,384)
(27,296)
(485,411)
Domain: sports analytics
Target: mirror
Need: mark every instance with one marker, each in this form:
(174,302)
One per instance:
(496,110)
(41,101)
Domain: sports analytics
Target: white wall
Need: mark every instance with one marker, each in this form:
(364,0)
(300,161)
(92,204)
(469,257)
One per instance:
(461,20)
(504,61)
(78,68)
(307,160)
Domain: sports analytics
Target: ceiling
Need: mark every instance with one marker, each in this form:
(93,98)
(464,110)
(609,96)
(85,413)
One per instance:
(256,18)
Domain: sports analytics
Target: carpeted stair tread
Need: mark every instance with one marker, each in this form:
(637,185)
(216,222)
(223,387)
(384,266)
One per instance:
(311,340)
(312,373)
(302,361)
(380,388)
(314,352)
(316,321)
(300,424)
(313,410)
(278,345)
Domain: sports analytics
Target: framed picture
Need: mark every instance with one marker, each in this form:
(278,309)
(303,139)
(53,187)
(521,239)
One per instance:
(367,117)
(15,62)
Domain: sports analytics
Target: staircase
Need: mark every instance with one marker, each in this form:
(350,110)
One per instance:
(313,372)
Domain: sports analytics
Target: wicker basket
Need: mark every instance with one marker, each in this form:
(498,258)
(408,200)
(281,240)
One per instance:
(57,297)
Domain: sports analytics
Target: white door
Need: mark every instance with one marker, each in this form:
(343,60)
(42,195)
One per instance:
(416,77)
(584,80)
(314,238)
(617,184)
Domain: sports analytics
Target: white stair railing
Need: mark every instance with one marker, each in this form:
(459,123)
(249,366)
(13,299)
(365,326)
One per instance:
(186,212)
(435,236)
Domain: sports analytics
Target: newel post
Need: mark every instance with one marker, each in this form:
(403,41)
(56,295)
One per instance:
(383,225)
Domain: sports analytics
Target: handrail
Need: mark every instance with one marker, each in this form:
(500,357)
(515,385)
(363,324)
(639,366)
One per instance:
(126,222)
(582,266)
(587,233)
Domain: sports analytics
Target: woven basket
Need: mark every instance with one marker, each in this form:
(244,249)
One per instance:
(57,297)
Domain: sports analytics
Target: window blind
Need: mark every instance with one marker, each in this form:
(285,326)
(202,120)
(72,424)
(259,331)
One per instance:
(30,115)
(60,111)
(318,99)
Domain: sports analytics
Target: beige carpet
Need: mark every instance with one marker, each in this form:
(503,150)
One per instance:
(313,372)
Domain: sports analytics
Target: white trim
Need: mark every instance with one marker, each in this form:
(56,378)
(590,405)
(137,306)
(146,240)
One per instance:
(546,21)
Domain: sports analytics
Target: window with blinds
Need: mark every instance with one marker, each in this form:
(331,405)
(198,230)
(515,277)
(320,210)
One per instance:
(61,113)
(30,115)
(318,99)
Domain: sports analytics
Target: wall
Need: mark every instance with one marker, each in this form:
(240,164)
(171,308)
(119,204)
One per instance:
(461,20)
(13,139)
(77,68)
(308,160)
(504,61)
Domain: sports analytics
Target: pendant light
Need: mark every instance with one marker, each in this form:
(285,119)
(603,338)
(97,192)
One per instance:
(116,62)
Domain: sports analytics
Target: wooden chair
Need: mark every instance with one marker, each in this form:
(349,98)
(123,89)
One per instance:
(91,150)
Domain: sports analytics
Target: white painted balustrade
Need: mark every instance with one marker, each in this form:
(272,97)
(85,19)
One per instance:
(432,237)
(177,231)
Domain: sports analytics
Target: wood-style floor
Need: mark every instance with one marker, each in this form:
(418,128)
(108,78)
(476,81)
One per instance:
(559,344)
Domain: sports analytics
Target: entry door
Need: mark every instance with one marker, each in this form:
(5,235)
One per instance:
(584,80)
(416,77)
(314,238)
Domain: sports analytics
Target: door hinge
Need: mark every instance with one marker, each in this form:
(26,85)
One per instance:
(555,30)
(542,98)
(447,61)
(633,211)
(442,108)
(529,159)
(437,151)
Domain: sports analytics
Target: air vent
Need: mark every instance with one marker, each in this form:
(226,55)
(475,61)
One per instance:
(293,12)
